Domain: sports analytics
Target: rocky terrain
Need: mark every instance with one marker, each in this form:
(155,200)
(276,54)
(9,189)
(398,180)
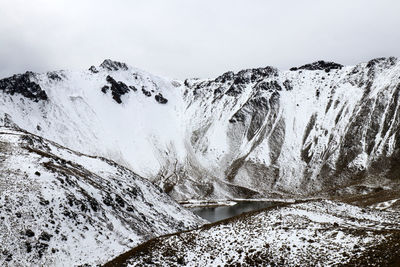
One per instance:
(317,128)
(313,233)
(317,131)
(59,207)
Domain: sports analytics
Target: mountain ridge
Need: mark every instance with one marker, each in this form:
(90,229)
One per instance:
(255,133)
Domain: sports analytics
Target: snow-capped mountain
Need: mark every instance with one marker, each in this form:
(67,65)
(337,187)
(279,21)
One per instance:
(59,207)
(256,133)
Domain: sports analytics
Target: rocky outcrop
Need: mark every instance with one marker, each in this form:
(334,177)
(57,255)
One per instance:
(145,92)
(161,99)
(319,65)
(111,65)
(22,84)
(117,89)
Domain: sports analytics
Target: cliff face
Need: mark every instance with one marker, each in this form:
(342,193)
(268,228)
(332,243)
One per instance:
(318,128)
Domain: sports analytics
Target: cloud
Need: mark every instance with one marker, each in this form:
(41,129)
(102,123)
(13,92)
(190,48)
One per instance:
(187,38)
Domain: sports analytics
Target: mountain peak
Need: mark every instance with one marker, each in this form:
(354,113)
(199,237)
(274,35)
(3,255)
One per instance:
(319,65)
(112,65)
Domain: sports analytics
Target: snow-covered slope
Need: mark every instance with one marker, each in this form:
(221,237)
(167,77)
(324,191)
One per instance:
(258,132)
(313,128)
(112,112)
(63,208)
(318,233)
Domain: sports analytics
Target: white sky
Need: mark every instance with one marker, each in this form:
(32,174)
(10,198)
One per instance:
(188,38)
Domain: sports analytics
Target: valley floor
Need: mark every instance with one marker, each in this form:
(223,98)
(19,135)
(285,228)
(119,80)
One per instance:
(311,233)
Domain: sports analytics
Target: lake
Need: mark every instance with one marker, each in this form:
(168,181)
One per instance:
(217,213)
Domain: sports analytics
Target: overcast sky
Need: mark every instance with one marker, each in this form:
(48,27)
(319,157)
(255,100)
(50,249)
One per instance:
(188,38)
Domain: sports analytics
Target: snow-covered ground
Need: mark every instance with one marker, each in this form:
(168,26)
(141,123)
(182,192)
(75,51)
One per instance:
(317,130)
(252,134)
(313,233)
(63,208)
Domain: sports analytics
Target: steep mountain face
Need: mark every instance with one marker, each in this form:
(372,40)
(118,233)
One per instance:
(318,128)
(59,207)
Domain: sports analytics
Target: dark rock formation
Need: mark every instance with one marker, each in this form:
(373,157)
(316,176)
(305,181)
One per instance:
(105,89)
(269,86)
(93,69)
(22,84)
(117,89)
(111,65)
(160,99)
(288,85)
(319,65)
(146,93)
(246,76)
(54,76)
(227,76)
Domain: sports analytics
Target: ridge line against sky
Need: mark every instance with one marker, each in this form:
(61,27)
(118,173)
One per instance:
(187,38)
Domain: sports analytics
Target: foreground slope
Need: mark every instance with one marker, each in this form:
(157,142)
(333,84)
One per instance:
(321,128)
(60,207)
(315,233)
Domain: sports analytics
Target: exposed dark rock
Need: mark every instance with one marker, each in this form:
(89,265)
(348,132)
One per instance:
(111,65)
(261,73)
(107,200)
(93,69)
(54,76)
(160,99)
(217,91)
(310,126)
(41,248)
(93,203)
(22,84)
(28,247)
(382,60)
(288,85)
(133,88)
(146,93)
(119,200)
(241,79)
(29,233)
(235,90)
(8,258)
(45,236)
(105,89)
(44,202)
(227,76)
(270,85)
(117,89)
(319,65)
(37,173)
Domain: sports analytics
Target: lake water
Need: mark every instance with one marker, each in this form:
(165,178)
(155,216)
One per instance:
(213,214)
